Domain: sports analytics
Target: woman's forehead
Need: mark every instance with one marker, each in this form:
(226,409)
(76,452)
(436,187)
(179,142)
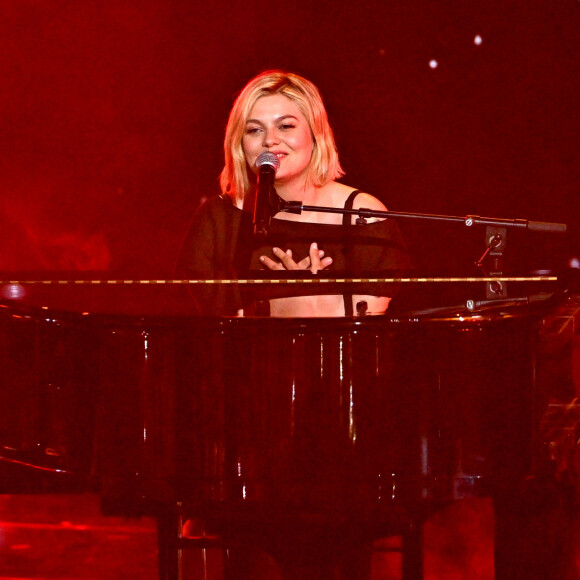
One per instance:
(274,105)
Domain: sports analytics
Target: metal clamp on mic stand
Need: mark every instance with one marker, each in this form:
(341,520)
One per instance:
(496,243)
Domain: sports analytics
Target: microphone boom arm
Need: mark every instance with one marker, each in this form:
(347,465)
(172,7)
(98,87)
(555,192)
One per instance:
(296,207)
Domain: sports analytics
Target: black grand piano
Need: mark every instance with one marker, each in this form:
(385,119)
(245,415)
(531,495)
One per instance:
(314,418)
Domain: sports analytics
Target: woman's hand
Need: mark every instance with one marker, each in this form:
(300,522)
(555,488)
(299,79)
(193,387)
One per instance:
(314,262)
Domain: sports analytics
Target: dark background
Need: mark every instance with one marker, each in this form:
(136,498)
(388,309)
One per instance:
(112,116)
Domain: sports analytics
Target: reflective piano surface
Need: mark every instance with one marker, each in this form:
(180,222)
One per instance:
(361,402)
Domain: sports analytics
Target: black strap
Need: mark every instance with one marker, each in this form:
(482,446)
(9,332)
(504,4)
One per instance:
(348,309)
(346,221)
(346,218)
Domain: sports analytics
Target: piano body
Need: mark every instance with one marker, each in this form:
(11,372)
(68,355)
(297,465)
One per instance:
(309,423)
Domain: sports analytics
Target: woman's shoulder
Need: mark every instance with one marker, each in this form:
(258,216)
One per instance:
(216,212)
(339,193)
(216,207)
(219,202)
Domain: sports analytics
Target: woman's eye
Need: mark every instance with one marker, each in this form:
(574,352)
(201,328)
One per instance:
(287,126)
(252,130)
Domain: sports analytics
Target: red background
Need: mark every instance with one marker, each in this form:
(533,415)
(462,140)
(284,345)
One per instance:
(112,117)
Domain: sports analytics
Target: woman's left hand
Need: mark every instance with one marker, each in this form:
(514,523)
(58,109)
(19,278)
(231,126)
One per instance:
(314,262)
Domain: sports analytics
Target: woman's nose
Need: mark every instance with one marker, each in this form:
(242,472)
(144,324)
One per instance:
(271,138)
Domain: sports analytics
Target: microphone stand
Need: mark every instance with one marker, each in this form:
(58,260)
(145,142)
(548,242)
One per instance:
(296,207)
(495,234)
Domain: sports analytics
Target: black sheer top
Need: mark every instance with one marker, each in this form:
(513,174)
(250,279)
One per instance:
(220,243)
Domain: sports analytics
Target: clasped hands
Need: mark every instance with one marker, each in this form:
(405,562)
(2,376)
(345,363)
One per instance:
(315,261)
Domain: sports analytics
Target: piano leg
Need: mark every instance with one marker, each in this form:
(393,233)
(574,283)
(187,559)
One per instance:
(169,536)
(412,549)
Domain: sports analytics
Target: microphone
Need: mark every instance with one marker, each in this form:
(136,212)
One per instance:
(267,164)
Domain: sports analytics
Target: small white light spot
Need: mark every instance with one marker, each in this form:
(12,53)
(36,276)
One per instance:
(433,63)
(575,263)
(478,40)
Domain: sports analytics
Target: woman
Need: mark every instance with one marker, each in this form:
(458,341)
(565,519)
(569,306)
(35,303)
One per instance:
(283,113)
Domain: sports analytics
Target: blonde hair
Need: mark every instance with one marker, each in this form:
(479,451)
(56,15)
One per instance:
(236,178)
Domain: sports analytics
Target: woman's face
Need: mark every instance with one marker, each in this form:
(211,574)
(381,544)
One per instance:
(276,124)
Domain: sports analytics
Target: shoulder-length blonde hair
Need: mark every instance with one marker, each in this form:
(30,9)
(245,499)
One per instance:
(236,178)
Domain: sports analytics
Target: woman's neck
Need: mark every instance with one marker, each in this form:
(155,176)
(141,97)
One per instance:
(307,193)
(331,194)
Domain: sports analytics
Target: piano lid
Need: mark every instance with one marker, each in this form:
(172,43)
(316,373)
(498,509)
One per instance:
(311,297)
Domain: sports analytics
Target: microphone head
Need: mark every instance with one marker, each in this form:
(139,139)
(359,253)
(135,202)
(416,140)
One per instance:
(268,158)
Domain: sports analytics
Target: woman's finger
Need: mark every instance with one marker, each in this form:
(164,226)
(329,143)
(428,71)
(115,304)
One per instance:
(271,264)
(304,264)
(317,262)
(285,258)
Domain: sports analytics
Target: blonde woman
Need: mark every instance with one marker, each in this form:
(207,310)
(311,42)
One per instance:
(283,114)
